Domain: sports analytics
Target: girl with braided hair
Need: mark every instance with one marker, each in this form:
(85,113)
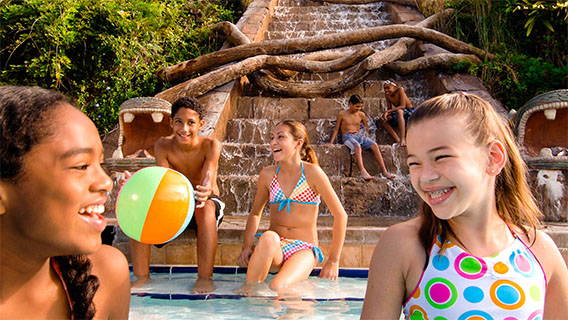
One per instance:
(293,189)
(52,194)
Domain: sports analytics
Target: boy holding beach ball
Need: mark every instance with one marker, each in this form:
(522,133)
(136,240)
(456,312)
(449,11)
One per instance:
(197,158)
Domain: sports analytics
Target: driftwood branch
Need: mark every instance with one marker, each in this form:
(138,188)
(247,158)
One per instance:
(231,32)
(401,47)
(351,78)
(442,60)
(213,79)
(215,59)
(411,3)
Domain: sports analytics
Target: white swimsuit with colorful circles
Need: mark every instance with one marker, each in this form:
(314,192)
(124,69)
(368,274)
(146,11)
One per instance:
(510,285)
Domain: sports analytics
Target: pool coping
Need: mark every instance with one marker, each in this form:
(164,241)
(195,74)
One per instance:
(171,269)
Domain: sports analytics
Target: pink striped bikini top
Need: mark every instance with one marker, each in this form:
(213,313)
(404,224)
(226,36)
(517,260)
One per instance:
(302,192)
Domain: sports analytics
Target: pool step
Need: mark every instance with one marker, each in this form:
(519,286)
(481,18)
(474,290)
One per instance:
(361,238)
(335,160)
(378,198)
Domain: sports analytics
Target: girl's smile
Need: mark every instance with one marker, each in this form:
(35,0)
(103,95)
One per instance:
(447,169)
(282,143)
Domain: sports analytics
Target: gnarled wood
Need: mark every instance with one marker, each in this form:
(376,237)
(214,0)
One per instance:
(231,32)
(411,3)
(400,48)
(214,59)
(213,79)
(442,60)
(351,78)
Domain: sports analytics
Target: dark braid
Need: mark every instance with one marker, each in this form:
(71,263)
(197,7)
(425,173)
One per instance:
(81,284)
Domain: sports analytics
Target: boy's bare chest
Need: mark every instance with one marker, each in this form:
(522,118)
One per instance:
(188,163)
(352,119)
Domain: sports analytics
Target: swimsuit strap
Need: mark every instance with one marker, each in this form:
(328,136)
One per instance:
(277,170)
(57,269)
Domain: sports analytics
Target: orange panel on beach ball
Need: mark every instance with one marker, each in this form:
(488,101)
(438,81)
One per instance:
(171,209)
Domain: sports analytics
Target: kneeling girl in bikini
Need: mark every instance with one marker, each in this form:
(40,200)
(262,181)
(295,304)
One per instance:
(294,189)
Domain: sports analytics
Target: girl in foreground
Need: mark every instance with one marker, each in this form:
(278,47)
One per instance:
(475,250)
(293,189)
(52,195)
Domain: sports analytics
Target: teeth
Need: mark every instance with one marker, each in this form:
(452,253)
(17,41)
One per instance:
(438,193)
(128,117)
(99,208)
(157,117)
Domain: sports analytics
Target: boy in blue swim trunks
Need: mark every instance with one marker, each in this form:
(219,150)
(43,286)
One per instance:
(399,111)
(349,121)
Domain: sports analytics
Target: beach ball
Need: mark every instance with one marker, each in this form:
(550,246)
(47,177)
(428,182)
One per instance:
(155,205)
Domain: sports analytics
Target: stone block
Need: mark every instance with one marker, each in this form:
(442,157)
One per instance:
(333,159)
(245,107)
(157,255)
(320,130)
(323,108)
(374,89)
(237,192)
(250,130)
(229,253)
(178,253)
(244,159)
(350,256)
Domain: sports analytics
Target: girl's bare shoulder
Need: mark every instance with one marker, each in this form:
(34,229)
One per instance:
(402,242)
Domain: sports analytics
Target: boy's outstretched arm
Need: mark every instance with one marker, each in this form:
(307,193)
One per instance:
(337,127)
(208,172)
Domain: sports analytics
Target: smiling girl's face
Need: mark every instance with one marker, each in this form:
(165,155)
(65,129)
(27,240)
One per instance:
(283,144)
(447,169)
(58,201)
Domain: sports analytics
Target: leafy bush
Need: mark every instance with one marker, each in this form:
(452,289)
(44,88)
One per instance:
(103,52)
(527,63)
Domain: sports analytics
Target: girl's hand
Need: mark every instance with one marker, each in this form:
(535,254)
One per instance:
(329,270)
(244,258)
(202,192)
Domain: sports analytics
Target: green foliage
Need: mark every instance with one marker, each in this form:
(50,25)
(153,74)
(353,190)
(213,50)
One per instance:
(515,78)
(527,63)
(539,12)
(103,52)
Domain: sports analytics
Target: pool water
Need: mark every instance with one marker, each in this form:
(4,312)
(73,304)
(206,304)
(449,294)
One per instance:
(168,296)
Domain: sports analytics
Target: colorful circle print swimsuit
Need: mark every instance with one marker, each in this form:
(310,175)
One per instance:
(510,285)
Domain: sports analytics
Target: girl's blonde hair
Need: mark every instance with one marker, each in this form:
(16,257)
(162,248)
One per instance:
(515,203)
(298,131)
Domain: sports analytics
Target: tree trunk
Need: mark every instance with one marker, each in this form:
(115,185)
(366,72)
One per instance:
(400,48)
(411,3)
(442,60)
(351,78)
(214,59)
(213,79)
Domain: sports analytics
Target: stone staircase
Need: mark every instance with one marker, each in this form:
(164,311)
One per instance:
(371,206)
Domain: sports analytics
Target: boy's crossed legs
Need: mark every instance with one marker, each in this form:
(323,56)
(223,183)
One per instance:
(356,142)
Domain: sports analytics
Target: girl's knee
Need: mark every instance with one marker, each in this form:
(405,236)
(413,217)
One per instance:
(279,284)
(269,238)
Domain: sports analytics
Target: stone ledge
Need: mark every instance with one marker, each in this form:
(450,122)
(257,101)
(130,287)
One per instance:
(361,238)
